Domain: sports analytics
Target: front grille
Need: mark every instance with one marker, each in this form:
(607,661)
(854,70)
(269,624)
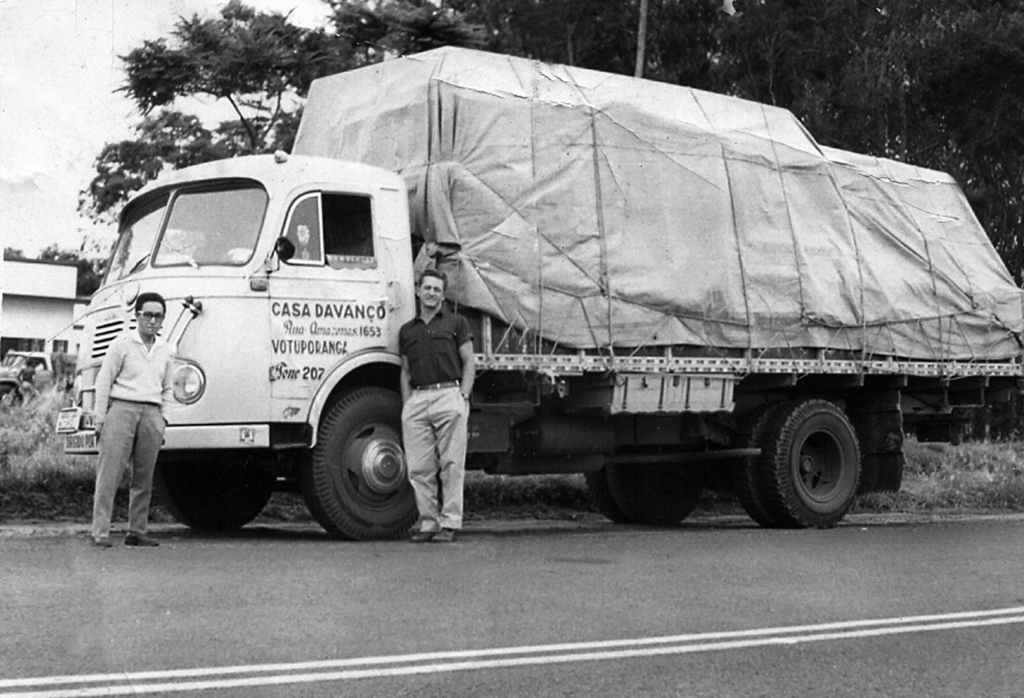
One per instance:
(106,333)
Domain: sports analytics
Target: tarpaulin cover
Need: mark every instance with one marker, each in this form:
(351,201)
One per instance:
(603,211)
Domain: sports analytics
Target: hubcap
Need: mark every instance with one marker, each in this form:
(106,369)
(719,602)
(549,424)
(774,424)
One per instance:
(382,465)
(820,463)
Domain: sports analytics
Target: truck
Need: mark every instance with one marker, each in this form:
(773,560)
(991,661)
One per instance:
(670,290)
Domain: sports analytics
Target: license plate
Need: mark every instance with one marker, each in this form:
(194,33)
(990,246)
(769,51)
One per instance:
(68,419)
(82,441)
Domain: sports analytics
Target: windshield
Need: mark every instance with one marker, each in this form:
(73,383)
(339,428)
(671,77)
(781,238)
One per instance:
(216,224)
(138,231)
(12,360)
(212,226)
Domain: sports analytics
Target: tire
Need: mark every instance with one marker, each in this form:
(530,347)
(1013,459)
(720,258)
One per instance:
(601,495)
(355,483)
(809,465)
(653,493)
(9,396)
(212,495)
(746,473)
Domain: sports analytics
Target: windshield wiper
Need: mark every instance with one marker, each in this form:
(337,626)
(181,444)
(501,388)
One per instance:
(138,265)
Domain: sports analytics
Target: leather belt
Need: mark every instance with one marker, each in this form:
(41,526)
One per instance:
(437,386)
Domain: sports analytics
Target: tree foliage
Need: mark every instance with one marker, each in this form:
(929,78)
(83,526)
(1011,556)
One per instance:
(397,28)
(937,83)
(250,59)
(971,99)
(602,34)
(262,66)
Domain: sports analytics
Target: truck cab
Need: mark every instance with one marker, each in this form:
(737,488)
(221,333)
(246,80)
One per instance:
(286,280)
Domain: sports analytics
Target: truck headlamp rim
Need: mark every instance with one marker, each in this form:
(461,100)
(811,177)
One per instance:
(189,382)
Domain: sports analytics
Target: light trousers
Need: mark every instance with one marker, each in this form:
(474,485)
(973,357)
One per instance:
(132,434)
(434,437)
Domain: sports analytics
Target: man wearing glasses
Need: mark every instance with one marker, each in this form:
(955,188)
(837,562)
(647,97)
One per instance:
(133,394)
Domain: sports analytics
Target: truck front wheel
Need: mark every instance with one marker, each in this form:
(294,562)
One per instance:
(211,494)
(810,465)
(355,482)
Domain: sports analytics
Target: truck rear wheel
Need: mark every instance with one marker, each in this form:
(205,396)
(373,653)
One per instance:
(653,493)
(212,495)
(355,484)
(810,465)
(745,484)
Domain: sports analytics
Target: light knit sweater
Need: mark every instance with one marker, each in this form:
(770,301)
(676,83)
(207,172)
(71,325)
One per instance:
(134,373)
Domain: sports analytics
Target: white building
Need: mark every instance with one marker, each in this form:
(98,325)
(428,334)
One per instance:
(38,307)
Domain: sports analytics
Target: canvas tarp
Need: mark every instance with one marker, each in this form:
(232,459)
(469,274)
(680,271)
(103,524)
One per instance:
(603,211)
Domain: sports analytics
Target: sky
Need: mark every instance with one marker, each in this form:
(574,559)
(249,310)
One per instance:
(59,69)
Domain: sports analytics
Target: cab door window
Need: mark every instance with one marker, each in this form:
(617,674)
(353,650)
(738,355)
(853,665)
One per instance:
(348,230)
(333,229)
(304,230)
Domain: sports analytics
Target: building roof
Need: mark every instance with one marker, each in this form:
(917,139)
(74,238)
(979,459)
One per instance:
(39,279)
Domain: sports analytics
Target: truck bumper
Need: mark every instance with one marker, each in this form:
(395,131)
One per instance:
(185,438)
(213,436)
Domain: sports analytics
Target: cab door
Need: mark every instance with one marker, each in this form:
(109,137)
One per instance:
(330,300)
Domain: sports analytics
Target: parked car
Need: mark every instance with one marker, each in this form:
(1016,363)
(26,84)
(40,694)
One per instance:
(12,378)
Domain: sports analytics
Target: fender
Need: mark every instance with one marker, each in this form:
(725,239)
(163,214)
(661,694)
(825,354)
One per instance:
(355,361)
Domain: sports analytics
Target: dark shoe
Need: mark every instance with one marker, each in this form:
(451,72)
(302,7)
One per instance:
(422,536)
(446,535)
(140,540)
(102,542)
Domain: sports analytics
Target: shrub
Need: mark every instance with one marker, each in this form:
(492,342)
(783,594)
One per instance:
(36,478)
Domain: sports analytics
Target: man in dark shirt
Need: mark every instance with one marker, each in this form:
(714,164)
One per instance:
(438,369)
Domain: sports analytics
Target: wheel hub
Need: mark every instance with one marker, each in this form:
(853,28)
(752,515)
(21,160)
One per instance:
(383,466)
(819,464)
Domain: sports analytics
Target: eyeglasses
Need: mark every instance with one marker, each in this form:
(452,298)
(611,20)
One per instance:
(152,317)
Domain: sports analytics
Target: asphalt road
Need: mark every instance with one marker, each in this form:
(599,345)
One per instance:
(713,608)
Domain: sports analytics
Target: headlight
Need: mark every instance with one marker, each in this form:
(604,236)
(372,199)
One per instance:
(189,382)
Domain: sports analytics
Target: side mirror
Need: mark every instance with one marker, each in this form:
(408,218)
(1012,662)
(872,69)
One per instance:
(284,249)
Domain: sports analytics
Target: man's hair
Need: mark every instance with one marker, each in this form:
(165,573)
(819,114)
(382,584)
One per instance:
(437,274)
(149,297)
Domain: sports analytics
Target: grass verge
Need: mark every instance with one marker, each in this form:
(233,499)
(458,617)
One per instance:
(39,483)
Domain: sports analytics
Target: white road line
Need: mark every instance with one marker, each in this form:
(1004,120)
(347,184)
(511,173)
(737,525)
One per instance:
(443,662)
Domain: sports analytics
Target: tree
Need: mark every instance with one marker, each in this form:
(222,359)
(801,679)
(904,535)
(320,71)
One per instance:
(681,42)
(970,100)
(168,138)
(400,27)
(254,61)
(937,83)
(262,67)
(599,34)
(90,271)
